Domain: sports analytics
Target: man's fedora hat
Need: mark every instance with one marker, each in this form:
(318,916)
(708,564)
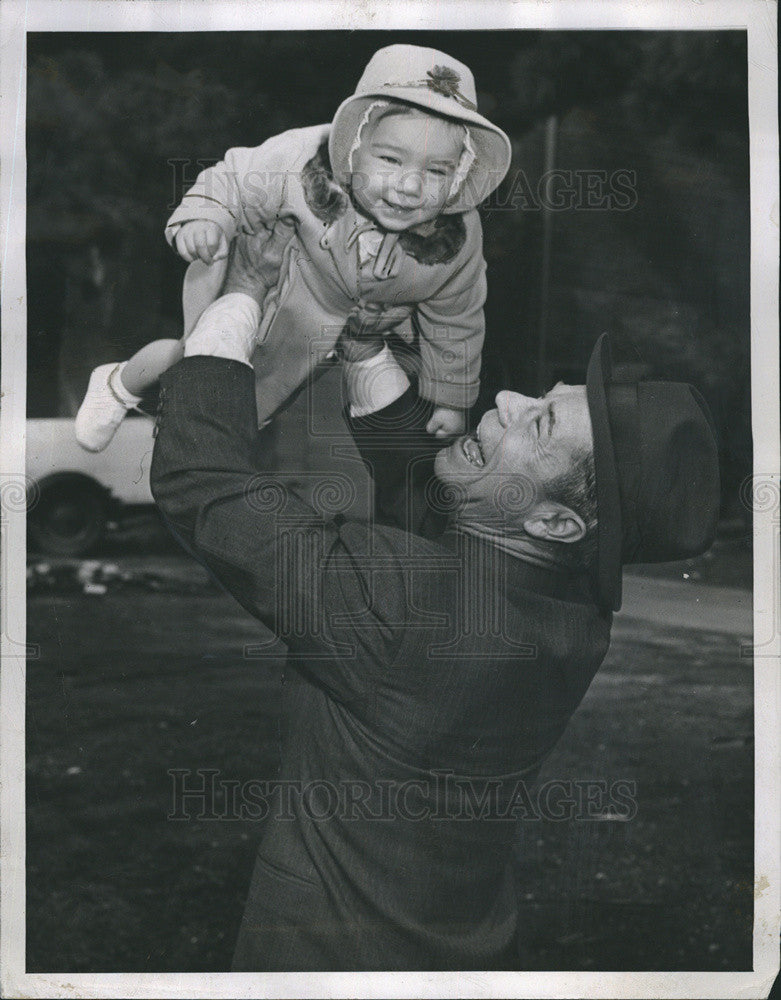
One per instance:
(438,83)
(656,468)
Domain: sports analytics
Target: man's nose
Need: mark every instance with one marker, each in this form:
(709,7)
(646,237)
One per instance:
(511,405)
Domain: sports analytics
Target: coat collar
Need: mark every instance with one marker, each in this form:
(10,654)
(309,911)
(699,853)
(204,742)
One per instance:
(518,573)
(328,201)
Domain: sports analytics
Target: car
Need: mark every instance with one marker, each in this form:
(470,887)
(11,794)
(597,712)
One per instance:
(72,493)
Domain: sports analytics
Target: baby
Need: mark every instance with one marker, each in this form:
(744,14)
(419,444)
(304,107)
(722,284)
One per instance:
(368,222)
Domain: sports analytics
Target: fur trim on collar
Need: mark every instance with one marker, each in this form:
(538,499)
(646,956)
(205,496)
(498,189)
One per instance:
(327,201)
(325,198)
(441,246)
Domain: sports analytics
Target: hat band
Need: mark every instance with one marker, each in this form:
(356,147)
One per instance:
(625,431)
(442,81)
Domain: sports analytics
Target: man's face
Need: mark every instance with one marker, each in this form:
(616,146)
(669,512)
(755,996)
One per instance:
(402,175)
(524,443)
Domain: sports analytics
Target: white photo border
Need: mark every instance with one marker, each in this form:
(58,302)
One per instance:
(758,18)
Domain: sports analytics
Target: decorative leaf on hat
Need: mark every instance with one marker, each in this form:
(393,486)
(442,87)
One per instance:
(445,81)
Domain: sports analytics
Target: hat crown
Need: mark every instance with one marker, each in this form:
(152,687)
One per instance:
(666,461)
(403,66)
(657,472)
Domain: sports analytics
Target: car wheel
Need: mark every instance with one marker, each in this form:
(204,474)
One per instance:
(68,516)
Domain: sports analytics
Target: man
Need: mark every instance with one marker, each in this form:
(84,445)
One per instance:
(436,654)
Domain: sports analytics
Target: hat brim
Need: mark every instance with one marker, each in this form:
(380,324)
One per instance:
(492,146)
(608,495)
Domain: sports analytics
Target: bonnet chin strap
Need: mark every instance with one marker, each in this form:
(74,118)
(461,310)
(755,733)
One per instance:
(465,161)
(361,126)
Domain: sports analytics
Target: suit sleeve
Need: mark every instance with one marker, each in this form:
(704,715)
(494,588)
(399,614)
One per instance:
(451,325)
(399,455)
(304,574)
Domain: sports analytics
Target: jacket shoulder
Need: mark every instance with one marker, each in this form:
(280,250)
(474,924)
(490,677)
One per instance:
(470,249)
(474,228)
(294,147)
(286,152)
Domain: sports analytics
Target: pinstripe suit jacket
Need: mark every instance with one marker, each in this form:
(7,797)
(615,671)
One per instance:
(432,677)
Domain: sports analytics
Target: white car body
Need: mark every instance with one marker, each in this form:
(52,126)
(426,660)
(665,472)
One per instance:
(122,468)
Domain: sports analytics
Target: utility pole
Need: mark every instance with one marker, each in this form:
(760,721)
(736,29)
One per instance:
(549,162)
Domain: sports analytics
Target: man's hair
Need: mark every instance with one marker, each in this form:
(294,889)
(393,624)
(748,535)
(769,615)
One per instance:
(577,489)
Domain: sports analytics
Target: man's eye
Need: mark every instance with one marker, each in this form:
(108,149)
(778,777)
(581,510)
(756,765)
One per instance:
(389,159)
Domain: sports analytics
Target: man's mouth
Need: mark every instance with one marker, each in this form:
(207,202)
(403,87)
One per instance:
(470,447)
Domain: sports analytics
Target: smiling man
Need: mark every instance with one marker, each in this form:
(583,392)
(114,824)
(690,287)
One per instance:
(438,651)
(545,448)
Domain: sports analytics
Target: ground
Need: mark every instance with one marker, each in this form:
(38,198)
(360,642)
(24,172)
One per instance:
(150,675)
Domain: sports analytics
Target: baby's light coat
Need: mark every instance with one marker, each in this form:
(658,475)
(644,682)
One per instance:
(435,298)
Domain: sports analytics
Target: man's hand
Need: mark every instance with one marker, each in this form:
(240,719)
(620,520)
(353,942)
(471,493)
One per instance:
(255,260)
(201,239)
(227,328)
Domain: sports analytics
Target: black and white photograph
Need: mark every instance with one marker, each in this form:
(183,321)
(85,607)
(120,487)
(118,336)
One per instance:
(390,499)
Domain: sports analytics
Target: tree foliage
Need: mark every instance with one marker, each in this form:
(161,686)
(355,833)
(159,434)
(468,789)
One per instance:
(99,143)
(110,116)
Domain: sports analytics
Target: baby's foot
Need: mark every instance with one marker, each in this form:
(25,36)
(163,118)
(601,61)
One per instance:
(104,407)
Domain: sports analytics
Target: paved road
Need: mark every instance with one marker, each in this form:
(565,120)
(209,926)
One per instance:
(686,604)
(655,600)
(151,673)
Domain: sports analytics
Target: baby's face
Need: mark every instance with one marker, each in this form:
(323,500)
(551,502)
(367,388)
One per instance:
(402,173)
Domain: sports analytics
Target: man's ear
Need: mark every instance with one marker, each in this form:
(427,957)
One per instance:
(553,522)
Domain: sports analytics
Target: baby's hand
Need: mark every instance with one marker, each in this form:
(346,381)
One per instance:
(445,422)
(201,239)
